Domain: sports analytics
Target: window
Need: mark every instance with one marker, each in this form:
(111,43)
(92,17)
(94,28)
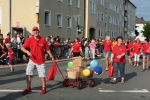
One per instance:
(105,10)
(110,19)
(109,33)
(60,0)
(106,26)
(78,3)
(59,20)
(92,7)
(47,20)
(110,5)
(122,13)
(122,24)
(0,16)
(69,2)
(69,22)
(100,33)
(101,17)
(101,2)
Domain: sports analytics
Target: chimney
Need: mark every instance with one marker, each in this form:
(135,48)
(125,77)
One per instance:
(141,18)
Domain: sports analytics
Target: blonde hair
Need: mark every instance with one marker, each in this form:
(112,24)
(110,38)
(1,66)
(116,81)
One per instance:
(107,38)
(8,44)
(93,41)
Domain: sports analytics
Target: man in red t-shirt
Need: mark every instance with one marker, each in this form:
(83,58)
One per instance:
(37,46)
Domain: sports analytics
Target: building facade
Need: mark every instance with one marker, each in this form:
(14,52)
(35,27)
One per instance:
(98,18)
(110,17)
(139,27)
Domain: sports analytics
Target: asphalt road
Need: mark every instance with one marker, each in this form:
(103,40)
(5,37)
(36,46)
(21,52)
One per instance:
(136,87)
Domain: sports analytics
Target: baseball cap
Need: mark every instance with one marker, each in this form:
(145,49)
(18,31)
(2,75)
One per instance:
(35,28)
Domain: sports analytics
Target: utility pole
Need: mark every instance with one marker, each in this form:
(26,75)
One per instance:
(10,16)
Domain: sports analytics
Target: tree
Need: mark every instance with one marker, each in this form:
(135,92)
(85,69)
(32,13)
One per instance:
(146,30)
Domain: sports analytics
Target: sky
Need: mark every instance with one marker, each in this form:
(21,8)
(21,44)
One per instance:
(143,8)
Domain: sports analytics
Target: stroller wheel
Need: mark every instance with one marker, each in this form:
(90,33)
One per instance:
(79,85)
(91,83)
(65,83)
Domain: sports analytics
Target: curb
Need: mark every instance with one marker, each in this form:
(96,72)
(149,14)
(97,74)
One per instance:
(20,65)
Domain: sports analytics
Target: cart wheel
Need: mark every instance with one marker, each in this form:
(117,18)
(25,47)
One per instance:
(79,85)
(91,83)
(65,83)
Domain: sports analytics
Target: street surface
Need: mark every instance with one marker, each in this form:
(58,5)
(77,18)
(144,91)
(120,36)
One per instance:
(136,87)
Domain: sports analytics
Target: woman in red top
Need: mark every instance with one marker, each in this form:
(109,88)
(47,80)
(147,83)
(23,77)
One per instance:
(137,49)
(76,48)
(118,59)
(107,49)
(146,56)
(129,49)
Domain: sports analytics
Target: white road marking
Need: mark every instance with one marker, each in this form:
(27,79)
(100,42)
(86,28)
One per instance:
(127,91)
(17,90)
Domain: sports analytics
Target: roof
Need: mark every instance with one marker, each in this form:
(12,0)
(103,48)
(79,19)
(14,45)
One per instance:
(139,20)
(132,4)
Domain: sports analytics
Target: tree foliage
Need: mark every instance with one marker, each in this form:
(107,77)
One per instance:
(146,30)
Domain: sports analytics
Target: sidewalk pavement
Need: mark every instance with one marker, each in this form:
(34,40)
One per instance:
(47,61)
(25,63)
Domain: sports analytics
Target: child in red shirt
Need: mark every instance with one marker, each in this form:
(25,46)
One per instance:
(11,56)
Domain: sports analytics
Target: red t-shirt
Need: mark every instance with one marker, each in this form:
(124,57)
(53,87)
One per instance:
(137,47)
(37,48)
(11,56)
(107,46)
(130,45)
(7,40)
(120,51)
(56,45)
(145,47)
(76,46)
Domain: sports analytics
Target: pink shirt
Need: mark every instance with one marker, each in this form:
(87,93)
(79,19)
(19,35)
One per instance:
(92,45)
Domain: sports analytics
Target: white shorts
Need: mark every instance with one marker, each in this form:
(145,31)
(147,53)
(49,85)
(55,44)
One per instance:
(40,68)
(136,57)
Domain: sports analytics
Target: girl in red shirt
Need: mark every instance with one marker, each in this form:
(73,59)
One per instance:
(107,49)
(137,49)
(146,56)
(118,59)
(76,48)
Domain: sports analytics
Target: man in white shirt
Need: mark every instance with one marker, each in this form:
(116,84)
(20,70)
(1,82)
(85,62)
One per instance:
(20,57)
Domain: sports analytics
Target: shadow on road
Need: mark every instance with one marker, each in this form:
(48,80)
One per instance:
(128,76)
(13,73)
(12,96)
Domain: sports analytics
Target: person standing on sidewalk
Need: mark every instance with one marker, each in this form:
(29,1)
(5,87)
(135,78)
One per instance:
(76,48)
(92,46)
(37,45)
